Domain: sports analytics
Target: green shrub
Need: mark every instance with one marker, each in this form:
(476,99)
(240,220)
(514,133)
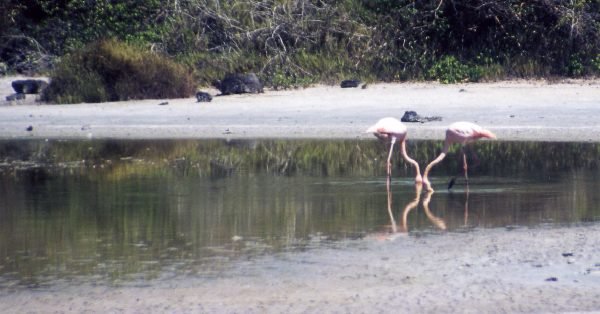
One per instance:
(110,70)
(596,63)
(449,70)
(575,67)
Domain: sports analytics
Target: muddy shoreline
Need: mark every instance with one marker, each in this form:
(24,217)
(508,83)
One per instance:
(512,270)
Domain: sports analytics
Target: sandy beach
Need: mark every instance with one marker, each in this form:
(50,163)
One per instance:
(521,270)
(514,110)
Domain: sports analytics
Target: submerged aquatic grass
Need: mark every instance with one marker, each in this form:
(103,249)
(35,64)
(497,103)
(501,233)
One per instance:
(288,157)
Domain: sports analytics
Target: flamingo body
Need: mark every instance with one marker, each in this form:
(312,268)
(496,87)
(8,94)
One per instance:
(466,132)
(458,133)
(388,127)
(391,129)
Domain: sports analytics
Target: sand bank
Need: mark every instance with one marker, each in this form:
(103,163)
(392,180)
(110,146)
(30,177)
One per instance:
(519,110)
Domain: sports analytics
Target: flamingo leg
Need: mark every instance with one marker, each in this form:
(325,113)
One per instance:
(389,207)
(465,167)
(389,159)
(467,206)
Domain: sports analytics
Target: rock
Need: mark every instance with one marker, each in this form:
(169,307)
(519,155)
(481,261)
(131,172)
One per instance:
(203,97)
(551,279)
(13,97)
(164,103)
(239,84)
(412,116)
(29,86)
(29,128)
(350,83)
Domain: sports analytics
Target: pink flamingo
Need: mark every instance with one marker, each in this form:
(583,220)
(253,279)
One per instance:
(391,129)
(460,133)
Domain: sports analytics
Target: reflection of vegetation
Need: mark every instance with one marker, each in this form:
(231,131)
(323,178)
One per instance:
(117,159)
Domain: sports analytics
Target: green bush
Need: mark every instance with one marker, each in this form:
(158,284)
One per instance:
(596,63)
(449,70)
(110,70)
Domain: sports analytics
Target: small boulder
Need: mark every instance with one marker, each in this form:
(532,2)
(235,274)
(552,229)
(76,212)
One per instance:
(239,84)
(412,116)
(13,97)
(29,86)
(203,97)
(350,83)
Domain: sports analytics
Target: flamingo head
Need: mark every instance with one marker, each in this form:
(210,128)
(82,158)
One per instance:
(486,134)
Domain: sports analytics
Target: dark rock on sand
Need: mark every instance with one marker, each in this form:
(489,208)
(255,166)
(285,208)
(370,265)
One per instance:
(13,97)
(239,84)
(350,83)
(412,116)
(29,86)
(203,97)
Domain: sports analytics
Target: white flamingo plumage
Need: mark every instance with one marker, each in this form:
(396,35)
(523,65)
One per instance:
(392,130)
(458,133)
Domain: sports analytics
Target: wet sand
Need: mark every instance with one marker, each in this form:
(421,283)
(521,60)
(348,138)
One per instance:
(488,270)
(541,270)
(521,110)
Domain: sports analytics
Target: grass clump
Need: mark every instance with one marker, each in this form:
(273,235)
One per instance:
(110,70)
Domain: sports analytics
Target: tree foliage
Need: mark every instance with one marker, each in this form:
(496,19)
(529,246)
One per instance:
(290,42)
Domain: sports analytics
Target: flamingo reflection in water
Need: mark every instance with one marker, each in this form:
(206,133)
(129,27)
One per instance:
(437,221)
(403,228)
(395,232)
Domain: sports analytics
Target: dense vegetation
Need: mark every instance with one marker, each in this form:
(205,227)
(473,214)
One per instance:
(109,70)
(296,42)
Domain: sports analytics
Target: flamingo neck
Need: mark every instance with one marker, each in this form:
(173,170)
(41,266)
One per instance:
(415,164)
(437,160)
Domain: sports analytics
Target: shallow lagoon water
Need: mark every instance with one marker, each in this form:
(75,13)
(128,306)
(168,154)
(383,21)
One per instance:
(120,212)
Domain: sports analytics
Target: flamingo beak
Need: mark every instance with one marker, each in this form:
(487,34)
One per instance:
(487,134)
(492,135)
